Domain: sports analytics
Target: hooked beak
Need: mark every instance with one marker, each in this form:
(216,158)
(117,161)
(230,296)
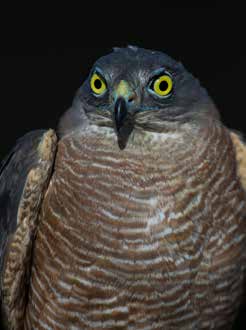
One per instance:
(120,113)
(123,96)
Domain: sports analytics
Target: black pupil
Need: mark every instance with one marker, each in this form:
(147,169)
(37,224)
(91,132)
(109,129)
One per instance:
(98,83)
(163,86)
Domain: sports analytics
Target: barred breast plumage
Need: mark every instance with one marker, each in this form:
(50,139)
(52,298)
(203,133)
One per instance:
(147,238)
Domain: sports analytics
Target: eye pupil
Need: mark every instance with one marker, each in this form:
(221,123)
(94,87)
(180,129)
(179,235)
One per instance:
(98,83)
(163,86)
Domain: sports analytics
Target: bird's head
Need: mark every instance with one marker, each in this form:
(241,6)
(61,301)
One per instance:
(134,88)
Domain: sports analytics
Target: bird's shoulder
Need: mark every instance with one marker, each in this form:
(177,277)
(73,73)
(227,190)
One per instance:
(240,151)
(24,176)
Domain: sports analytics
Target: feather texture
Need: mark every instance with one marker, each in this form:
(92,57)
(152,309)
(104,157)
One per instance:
(147,238)
(24,177)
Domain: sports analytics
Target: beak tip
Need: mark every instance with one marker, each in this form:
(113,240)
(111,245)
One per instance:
(121,143)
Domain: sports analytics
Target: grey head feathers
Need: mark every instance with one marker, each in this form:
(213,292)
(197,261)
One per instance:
(134,69)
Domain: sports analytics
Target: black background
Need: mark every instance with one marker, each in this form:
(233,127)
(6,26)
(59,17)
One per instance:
(38,78)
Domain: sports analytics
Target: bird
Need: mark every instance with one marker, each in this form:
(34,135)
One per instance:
(131,213)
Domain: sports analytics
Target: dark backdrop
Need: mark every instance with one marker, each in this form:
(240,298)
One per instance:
(38,79)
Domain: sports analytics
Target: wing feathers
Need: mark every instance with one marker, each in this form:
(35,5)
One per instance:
(240,148)
(24,176)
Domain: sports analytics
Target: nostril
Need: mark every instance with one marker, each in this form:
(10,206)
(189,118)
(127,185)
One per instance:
(131,99)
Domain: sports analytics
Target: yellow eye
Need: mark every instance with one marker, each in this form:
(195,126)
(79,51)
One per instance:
(98,85)
(163,85)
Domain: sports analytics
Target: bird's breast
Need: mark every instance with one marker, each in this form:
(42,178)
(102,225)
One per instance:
(133,205)
(126,232)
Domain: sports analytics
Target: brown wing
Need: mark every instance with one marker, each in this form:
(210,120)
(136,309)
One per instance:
(240,148)
(24,176)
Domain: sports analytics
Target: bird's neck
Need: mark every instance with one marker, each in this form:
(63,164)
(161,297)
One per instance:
(173,139)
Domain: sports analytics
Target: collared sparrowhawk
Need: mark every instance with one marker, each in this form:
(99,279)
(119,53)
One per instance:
(132,214)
